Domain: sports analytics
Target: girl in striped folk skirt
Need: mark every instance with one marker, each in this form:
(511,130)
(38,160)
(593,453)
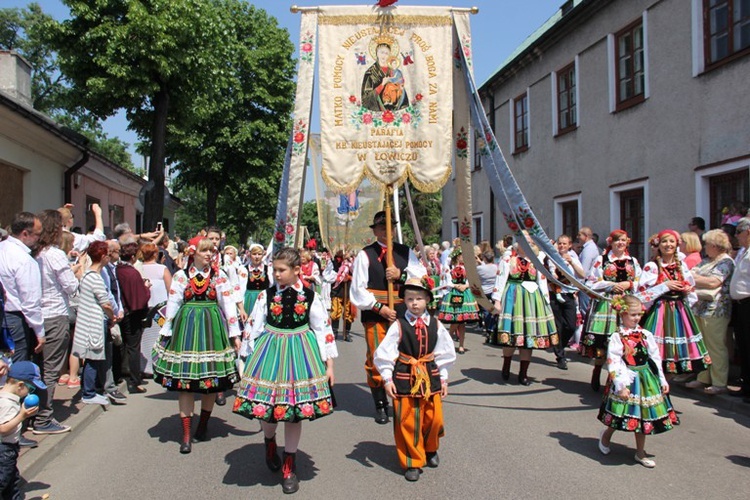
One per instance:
(289,375)
(636,397)
(196,350)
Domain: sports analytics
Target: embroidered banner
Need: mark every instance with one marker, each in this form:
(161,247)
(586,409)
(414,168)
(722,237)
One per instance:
(386,96)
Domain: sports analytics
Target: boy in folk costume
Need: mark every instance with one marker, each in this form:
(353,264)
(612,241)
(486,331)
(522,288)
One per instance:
(413,360)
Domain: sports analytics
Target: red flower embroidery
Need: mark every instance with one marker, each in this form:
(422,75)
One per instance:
(279,412)
(307,410)
(513,226)
(259,410)
(388,116)
(461,144)
(276,309)
(632,424)
(367,118)
(406,118)
(299,137)
(300,308)
(330,338)
(324,406)
(352,99)
(418,97)
(307,47)
(528,222)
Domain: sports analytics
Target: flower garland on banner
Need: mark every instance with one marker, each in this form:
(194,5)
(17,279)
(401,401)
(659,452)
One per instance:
(290,191)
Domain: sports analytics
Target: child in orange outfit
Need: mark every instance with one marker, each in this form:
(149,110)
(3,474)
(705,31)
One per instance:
(413,360)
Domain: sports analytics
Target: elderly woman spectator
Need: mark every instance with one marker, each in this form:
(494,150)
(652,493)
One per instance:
(135,294)
(91,325)
(713,309)
(161,281)
(691,247)
(59,282)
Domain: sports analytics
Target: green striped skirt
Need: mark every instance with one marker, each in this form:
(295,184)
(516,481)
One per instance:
(198,356)
(526,321)
(458,307)
(600,324)
(645,410)
(250,297)
(285,378)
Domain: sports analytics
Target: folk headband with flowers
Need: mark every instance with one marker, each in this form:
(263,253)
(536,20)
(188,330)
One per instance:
(665,232)
(619,304)
(456,252)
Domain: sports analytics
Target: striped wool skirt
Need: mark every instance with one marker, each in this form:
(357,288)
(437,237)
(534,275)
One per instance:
(250,297)
(198,356)
(601,322)
(646,410)
(526,321)
(680,340)
(458,307)
(285,378)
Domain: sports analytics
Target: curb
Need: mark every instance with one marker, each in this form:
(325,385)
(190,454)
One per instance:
(720,402)
(50,447)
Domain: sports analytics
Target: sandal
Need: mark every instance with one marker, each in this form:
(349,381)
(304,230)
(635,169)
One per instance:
(715,389)
(461,350)
(645,461)
(63,380)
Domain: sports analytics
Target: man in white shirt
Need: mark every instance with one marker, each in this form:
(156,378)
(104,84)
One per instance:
(739,290)
(563,298)
(589,253)
(20,275)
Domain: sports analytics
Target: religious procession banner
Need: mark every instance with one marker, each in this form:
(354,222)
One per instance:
(343,218)
(386,96)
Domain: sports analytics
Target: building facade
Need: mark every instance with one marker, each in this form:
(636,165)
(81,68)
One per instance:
(43,165)
(627,115)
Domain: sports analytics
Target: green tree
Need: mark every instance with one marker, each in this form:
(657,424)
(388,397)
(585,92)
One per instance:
(26,31)
(234,144)
(428,211)
(153,59)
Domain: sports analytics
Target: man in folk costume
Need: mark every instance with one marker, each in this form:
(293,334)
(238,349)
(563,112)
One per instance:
(369,293)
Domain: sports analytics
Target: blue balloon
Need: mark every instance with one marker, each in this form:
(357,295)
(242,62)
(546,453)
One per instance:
(31,400)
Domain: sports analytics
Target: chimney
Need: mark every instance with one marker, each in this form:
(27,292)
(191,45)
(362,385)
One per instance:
(15,77)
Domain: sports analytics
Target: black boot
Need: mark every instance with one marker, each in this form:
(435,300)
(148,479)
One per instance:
(221,399)
(381,405)
(273,460)
(202,430)
(595,376)
(523,378)
(335,328)
(347,331)
(506,367)
(290,483)
(185,446)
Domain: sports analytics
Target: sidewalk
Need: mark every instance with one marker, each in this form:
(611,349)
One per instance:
(69,410)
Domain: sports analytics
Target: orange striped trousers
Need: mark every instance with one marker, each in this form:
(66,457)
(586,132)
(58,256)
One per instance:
(374,335)
(417,427)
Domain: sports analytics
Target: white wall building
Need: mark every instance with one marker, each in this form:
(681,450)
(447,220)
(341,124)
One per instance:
(629,115)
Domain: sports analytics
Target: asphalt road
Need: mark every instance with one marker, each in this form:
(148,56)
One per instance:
(502,441)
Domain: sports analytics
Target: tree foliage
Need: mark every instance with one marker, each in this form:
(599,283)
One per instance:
(427,208)
(27,31)
(234,145)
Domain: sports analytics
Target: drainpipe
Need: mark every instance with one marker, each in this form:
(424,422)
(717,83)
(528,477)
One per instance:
(69,176)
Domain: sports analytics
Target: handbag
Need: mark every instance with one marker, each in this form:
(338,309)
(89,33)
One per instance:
(708,294)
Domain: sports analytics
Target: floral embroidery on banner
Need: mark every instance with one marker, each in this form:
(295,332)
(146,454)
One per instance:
(306,47)
(510,220)
(529,222)
(485,144)
(462,144)
(411,115)
(465,230)
(299,138)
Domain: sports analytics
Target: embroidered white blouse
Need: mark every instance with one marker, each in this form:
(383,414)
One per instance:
(224,297)
(387,352)
(622,375)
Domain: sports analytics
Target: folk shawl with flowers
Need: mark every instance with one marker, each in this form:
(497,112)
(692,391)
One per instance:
(604,274)
(651,285)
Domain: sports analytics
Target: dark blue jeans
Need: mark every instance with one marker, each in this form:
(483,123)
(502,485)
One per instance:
(94,372)
(23,336)
(10,479)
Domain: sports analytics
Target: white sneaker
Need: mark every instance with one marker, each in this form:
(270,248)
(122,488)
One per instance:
(97,399)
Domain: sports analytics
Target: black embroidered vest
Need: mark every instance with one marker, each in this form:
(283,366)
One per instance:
(410,345)
(376,276)
(289,309)
(261,282)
